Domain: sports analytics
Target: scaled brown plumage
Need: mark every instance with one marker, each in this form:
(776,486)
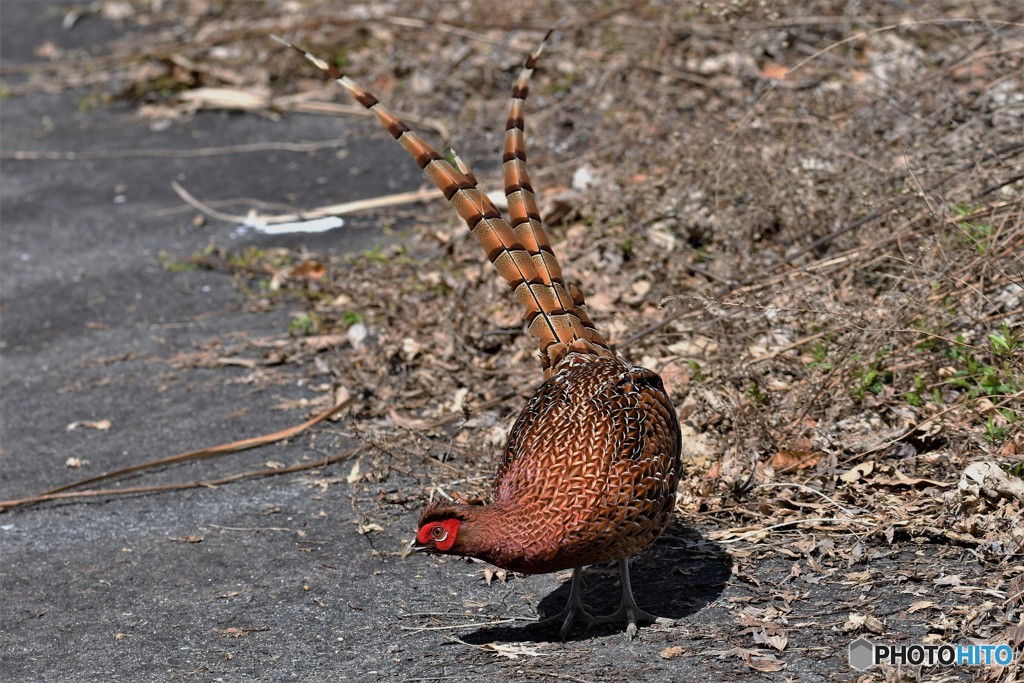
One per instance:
(584,478)
(591,466)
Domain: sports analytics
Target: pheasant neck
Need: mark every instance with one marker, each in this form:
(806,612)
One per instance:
(490,533)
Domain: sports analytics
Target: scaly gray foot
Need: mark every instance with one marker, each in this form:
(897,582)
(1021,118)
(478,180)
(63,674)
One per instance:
(574,612)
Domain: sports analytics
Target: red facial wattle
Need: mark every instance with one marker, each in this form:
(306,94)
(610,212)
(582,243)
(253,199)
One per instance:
(440,535)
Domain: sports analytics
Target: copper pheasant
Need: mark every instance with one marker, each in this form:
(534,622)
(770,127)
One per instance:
(591,466)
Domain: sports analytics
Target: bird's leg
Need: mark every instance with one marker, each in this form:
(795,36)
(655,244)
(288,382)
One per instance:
(574,611)
(628,610)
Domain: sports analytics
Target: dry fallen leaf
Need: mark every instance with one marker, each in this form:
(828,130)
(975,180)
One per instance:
(763,663)
(490,573)
(1013,636)
(1011,450)
(319,342)
(774,71)
(920,605)
(308,269)
(856,622)
(353,474)
(48,50)
(795,460)
(874,624)
(903,480)
(671,652)
(101,425)
(858,471)
(778,641)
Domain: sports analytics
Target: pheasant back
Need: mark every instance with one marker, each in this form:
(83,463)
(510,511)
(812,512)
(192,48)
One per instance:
(589,472)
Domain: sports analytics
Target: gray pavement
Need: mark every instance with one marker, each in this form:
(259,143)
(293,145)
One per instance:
(100,591)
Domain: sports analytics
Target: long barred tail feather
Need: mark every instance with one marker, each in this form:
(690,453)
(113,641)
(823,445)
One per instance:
(522,203)
(522,257)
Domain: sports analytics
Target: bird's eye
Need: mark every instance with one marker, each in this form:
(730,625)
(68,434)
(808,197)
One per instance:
(439,533)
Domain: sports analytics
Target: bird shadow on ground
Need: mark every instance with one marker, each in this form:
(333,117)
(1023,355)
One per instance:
(678,576)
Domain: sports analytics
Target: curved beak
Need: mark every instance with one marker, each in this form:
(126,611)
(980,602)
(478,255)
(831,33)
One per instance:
(411,548)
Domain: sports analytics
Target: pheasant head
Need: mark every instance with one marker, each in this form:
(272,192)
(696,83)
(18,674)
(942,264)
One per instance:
(439,528)
(454,528)
(439,536)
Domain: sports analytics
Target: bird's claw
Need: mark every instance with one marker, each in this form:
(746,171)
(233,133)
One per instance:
(632,615)
(568,618)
